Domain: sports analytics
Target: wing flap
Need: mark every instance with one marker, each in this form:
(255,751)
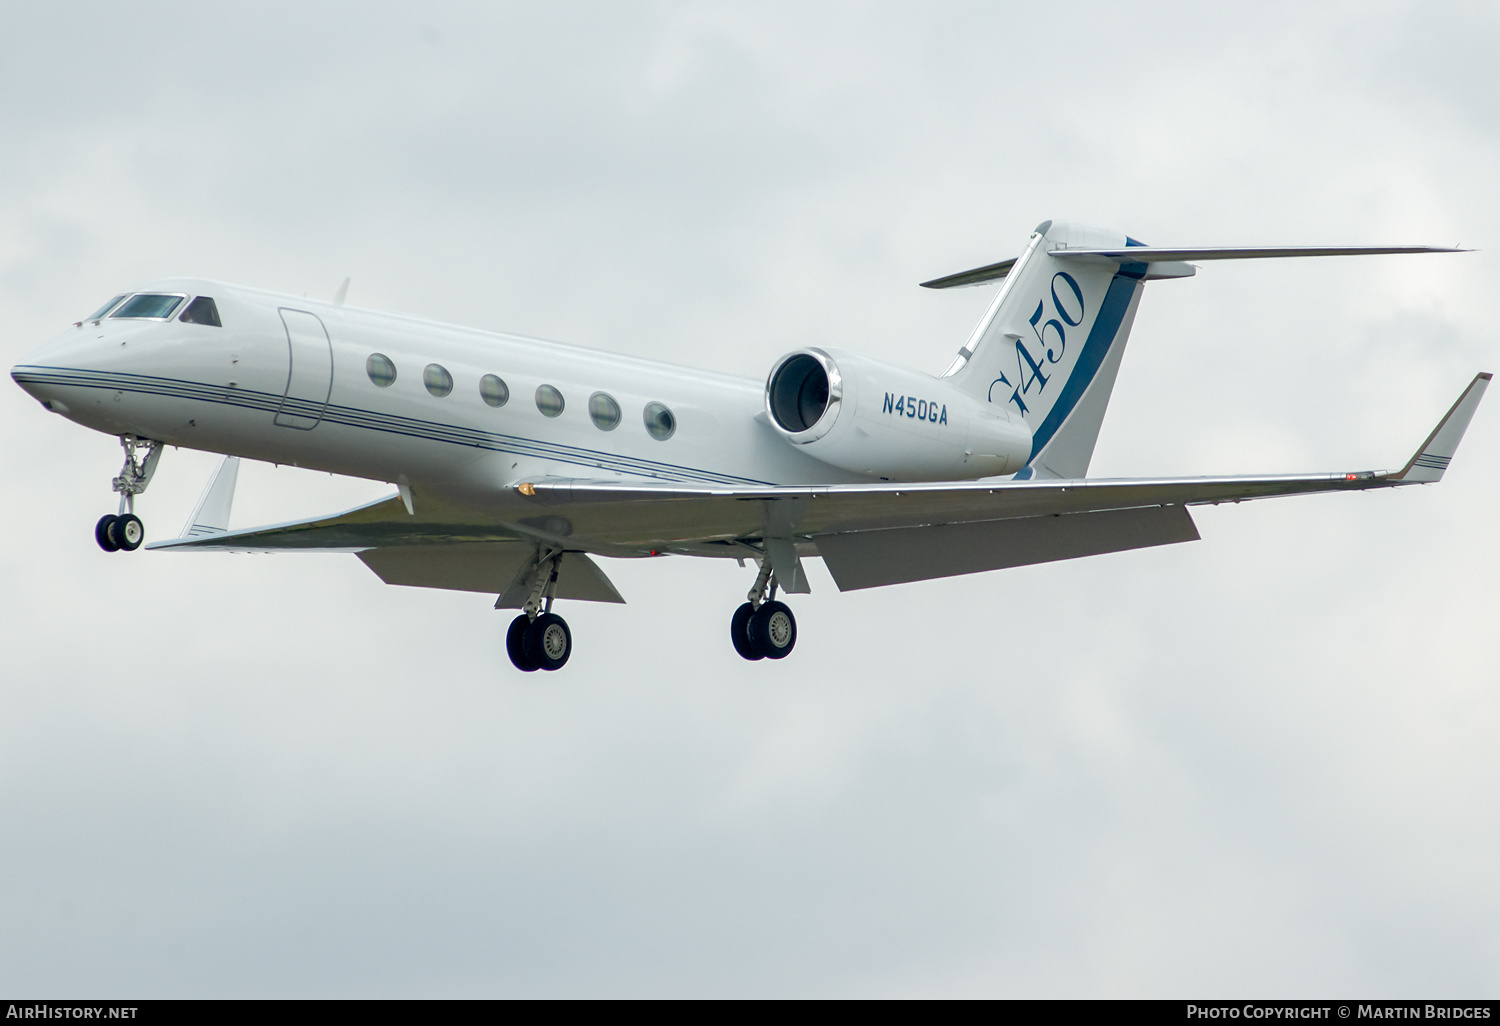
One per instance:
(578,577)
(871,559)
(485,567)
(502,569)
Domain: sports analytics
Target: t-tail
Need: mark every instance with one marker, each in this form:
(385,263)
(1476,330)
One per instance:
(1049,346)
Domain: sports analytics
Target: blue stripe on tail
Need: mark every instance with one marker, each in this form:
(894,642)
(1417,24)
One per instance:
(1101,336)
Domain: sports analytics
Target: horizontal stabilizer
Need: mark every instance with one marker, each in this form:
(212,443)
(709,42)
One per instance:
(978,276)
(1167,254)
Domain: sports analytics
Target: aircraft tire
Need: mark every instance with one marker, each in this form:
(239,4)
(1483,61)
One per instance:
(548,642)
(128,532)
(773,630)
(515,648)
(103,535)
(739,633)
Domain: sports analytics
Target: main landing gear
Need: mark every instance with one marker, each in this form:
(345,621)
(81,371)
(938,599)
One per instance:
(763,628)
(124,530)
(539,639)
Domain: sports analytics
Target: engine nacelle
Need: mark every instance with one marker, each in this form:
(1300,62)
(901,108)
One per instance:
(888,421)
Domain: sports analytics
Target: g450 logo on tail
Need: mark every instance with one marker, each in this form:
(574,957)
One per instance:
(1068,309)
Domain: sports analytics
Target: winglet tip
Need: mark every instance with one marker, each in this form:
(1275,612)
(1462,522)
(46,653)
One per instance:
(1434,455)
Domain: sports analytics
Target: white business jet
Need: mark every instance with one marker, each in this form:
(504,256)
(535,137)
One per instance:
(517,461)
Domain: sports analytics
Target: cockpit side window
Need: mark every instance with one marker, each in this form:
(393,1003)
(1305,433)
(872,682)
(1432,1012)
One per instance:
(202,310)
(150,305)
(107,307)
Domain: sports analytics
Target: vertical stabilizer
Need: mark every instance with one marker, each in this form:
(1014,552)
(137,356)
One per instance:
(1049,346)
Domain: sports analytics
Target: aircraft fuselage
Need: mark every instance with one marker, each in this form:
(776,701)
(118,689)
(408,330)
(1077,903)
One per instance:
(288,380)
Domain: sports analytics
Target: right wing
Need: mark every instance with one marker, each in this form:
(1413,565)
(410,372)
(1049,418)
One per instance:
(868,534)
(873,534)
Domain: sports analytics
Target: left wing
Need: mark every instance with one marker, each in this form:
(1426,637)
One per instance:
(382,523)
(443,547)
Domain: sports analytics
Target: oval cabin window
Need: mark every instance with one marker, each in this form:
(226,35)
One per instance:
(493,390)
(660,424)
(604,411)
(437,379)
(381,370)
(549,400)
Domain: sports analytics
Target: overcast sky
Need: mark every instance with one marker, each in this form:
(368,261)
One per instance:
(1262,763)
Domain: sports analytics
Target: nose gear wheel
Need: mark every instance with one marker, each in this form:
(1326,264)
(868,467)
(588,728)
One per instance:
(128,532)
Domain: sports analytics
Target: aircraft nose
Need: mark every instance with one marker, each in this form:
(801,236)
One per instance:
(42,372)
(35,381)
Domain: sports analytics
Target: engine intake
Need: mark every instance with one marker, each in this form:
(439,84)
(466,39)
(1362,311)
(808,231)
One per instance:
(803,393)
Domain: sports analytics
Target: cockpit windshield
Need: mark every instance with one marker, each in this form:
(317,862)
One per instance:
(106,308)
(202,310)
(152,305)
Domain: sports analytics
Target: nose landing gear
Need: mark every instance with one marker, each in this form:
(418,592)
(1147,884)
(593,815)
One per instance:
(763,628)
(539,639)
(114,533)
(124,530)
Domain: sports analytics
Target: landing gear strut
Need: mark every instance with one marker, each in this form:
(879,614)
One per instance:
(763,628)
(539,639)
(124,530)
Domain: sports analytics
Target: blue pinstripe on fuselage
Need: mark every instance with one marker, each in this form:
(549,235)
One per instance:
(372,420)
